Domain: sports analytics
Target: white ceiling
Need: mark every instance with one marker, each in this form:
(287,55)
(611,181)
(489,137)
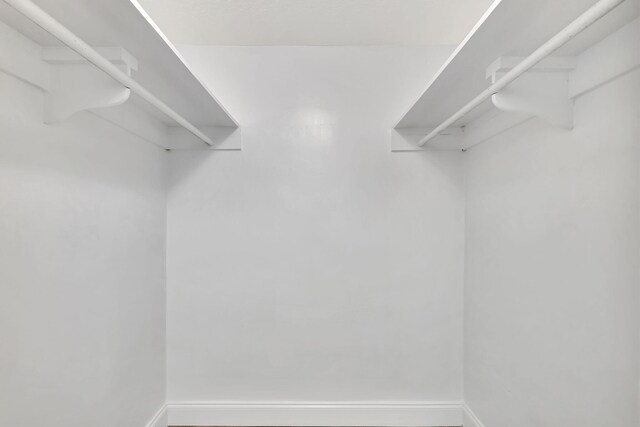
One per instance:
(315,22)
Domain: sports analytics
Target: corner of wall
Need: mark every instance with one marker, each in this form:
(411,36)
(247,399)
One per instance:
(160,419)
(469,418)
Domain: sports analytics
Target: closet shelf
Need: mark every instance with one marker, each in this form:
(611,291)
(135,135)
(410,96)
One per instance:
(120,38)
(507,33)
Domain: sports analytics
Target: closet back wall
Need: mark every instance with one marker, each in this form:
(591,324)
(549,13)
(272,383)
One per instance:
(315,265)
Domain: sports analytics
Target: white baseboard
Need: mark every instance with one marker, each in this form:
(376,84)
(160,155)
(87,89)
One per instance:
(424,414)
(160,419)
(469,418)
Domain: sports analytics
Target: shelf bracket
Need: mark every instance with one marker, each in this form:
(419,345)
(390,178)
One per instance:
(543,91)
(77,85)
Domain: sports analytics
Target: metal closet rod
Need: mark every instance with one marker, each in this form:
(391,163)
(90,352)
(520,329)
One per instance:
(592,14)
(62,33)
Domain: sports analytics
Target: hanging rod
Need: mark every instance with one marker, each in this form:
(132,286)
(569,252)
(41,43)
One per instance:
(585,20)
(62,33)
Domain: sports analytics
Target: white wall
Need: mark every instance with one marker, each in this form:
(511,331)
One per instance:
(551,289)
(82,269)
(315,265)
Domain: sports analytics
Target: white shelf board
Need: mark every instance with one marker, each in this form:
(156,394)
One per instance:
(508,28)
(122,23)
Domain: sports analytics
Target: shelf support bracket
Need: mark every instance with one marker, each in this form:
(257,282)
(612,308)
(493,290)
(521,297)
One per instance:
(77,85)
(543,91)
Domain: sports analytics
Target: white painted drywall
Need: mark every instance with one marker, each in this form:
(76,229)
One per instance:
(552,249)
(315,265)
(82,269)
